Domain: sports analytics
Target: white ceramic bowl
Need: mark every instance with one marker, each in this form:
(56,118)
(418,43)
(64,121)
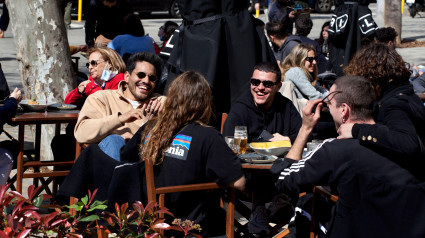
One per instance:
(278,151)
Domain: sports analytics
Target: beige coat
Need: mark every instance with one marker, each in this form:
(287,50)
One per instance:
(99,116)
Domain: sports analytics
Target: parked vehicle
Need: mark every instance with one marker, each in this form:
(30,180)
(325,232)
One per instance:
(320,6)
(415,6)
(141,6)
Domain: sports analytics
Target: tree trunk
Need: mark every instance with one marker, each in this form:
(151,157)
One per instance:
(43,55)
(393,16)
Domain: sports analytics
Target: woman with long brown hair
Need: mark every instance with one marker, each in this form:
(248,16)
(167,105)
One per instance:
(398,108)
(186,151)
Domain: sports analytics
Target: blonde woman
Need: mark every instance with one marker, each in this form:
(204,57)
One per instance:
(300,68)
(106,69)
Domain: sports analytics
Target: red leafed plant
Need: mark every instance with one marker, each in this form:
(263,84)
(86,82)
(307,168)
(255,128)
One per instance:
(19,217)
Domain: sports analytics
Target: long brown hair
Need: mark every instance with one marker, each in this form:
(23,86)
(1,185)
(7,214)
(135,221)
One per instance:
(297,58)
(188,101)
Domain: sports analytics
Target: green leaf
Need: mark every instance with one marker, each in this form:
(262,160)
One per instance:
(75,206)
(38,201)
(89,218)
(85,199)
(100,207)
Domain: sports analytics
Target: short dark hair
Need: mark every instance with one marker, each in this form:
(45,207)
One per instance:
(385,34)
(357,93)
(303,25)
(269,67)
(278,29)
(133,25)
(151,58)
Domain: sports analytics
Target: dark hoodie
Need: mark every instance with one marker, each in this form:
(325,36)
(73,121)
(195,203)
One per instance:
(282,118)
(400,132)
(287,47)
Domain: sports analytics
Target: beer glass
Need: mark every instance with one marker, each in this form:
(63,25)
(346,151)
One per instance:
(241,138)
(230,140)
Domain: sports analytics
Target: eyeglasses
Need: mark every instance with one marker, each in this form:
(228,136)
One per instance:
(93,63)
(266,83)
(310,59)
(327,99)
(151,77)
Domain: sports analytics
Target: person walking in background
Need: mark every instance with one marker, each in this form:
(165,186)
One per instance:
(133,40)
(4,20)
(105,20)
(66,6)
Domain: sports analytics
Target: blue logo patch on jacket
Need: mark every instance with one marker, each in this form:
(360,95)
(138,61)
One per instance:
(179,147)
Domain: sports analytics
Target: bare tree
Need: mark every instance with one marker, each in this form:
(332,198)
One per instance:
(392,16)
(43,54)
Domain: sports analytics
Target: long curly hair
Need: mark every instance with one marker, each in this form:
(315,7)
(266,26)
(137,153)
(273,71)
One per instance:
(297,58)
(380,64)
(188,101)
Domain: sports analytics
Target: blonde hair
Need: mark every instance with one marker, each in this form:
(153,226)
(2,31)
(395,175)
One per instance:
(111,57)
(297,58)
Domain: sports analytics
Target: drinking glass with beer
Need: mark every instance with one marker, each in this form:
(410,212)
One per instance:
(241,138)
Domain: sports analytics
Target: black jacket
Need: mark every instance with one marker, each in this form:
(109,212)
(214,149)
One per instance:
(400,134)
(377,198)
(282,118)
(102,20)
(287,46)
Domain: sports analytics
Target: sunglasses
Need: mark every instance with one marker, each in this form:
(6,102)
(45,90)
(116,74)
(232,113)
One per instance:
(151,77)
(311,59)
(328,99)
(93,63)
(266,83)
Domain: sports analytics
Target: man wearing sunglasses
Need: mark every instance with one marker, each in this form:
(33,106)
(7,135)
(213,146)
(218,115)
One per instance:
(368,184)
(111,117)
(263,108)
(268,116)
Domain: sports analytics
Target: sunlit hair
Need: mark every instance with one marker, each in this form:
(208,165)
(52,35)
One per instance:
(111,57)
(356,92)
(297,58)
(269,67)
(379,63)
(188,101)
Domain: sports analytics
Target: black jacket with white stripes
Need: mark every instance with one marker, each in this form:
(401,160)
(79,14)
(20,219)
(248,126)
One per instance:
(374,193)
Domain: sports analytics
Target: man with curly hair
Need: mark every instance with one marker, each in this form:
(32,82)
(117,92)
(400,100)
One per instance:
(386,35)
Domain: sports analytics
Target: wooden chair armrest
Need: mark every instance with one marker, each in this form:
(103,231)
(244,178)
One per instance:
(326,193)
(186,188)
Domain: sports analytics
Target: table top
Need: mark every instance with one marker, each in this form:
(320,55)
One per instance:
(51,117)
(257,166)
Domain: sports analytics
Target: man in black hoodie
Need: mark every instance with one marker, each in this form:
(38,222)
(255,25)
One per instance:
(263,108)
(282,40)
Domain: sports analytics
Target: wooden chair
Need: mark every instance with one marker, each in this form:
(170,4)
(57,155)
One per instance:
(223,120)
(158,195)
(317,192)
